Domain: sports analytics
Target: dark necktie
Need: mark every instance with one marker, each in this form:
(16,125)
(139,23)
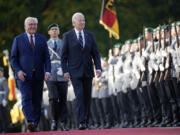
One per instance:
(80,39)
(55,46)
(32,43)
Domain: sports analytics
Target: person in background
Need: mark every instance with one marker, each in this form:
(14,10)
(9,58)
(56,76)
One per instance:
(4,90)
(57,85)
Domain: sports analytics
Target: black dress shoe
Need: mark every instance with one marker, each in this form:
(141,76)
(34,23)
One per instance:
(130,125)
(89,126)
(136,123)
(157,123)
(63,127)
(168,122)
(82,126)
(53,125)
(96,126)
(101,127)
(143,123)
(107,126)
(125,124)
(150,123)
(175,123)
(31,127)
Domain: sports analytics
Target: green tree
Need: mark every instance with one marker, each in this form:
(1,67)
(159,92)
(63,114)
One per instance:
(132,16)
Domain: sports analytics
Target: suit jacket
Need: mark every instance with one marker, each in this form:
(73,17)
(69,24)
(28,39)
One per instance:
(55,61)
(25,59)
(77,61)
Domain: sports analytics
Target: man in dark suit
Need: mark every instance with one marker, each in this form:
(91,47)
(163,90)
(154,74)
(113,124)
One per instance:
(79,49)
(31,63)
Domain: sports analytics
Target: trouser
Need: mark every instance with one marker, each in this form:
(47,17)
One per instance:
(3,119)
(108,109)
(135,105)
(82,89)
(101,110)
(154,99)
(146,107)
(58,103)
(116,108)
(72,122)
(164,99)
(173,97)
(94,112)
(126,106)
(176,85)
(31,91)
(43,123)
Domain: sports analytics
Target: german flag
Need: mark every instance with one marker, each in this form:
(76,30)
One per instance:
(12,85)
(109,18)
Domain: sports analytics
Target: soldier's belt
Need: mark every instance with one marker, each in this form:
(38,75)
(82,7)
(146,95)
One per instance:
(55,61)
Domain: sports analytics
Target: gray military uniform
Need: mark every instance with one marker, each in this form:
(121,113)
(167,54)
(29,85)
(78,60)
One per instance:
(4,90)
(56,71)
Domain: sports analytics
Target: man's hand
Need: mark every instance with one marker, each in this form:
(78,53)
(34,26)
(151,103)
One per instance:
(21,75)
(47,76)
(98,73)
(67,76)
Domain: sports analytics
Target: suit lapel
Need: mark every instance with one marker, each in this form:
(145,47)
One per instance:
(74,36)
(36,41)
(86,38)
(27,43)
(75,39)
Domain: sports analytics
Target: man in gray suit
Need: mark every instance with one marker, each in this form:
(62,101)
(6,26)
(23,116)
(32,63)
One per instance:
(78,55)
(57,85)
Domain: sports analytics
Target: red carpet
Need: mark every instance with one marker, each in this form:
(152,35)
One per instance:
(122,131)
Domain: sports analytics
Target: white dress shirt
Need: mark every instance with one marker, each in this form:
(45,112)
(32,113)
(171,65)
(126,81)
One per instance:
(53,41)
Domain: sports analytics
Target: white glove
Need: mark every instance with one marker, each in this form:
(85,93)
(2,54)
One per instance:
(4,102)
(46,113)
(60,72)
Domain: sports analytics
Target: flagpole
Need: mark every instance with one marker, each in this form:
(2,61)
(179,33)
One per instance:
(102,9)
(111,45)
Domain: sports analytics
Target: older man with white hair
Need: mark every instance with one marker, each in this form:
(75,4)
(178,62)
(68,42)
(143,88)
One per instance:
(79,52)
(31,63)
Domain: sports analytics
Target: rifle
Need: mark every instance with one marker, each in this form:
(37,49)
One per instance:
(177,38)
(153,72)
(168,70)
(162,74)
(143,45)
(140,54)
(177,41)
(157,73)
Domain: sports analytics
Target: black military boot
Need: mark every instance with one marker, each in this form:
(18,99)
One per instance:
(62,126)
(143,123)
(53,125)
